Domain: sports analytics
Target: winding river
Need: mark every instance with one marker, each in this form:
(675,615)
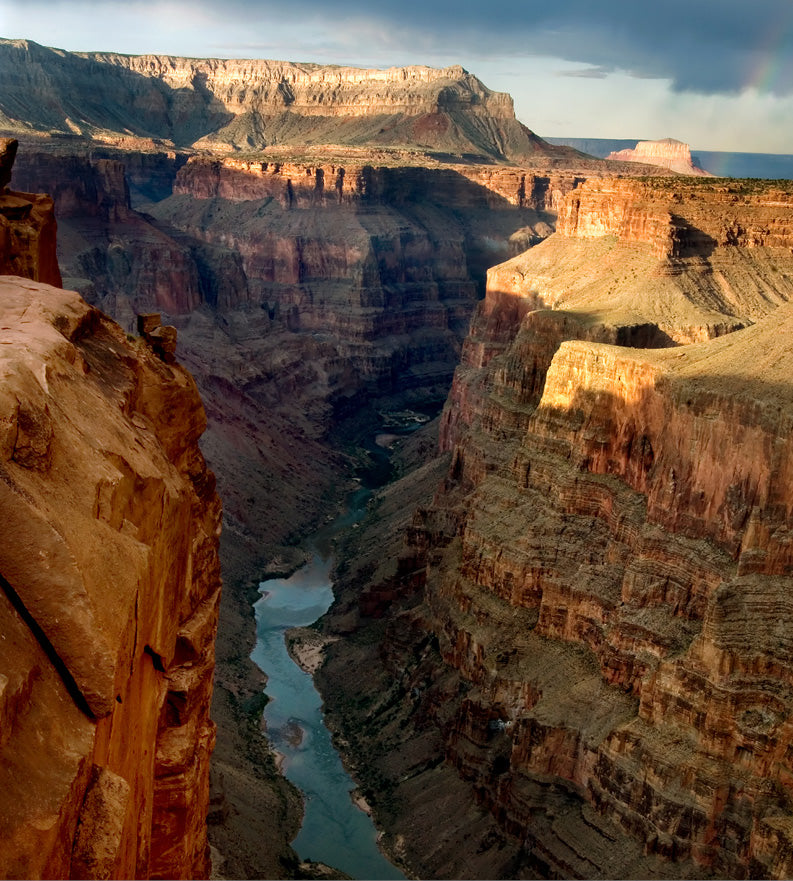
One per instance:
(335,831)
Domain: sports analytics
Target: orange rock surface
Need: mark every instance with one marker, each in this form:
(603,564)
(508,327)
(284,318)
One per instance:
(27,227)
(668,153)
(110,587)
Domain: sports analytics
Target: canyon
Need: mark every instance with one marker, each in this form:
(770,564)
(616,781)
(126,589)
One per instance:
(569,603)
(587,619)
(304,312)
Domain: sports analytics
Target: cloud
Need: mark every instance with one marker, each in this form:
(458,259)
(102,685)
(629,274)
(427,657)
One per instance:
(705,46)
(711,46)
(588,73)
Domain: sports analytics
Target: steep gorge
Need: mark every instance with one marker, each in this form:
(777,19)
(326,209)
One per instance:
(301,317)
(588,620)
(557,615)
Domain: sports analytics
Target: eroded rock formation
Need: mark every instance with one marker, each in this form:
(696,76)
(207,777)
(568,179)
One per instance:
(603,571)
(27,227)
(221,104)
(668,153)
(110,588)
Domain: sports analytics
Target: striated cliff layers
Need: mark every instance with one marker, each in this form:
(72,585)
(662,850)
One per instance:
(668,153)
(110,588)
(604,570)
(221,104)
(378,268)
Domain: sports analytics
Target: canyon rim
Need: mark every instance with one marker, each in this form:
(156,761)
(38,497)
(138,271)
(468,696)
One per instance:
(568,607)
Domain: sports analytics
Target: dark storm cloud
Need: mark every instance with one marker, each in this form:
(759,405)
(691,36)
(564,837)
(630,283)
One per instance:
(710,46)
(700,45)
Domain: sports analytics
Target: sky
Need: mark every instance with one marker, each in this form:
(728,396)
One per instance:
(717,74)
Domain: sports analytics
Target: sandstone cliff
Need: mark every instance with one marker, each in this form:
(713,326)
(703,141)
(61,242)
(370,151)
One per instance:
(27,227)
(110,588)
(597,645)
(668,153)
(248,105)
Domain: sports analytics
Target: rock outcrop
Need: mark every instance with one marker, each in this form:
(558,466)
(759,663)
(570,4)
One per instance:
(668,153)
(221,104)
(110,589)
(27,227)
(603,571)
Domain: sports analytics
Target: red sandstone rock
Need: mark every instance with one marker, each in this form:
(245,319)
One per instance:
(8,152)
(27,227)
(111,561)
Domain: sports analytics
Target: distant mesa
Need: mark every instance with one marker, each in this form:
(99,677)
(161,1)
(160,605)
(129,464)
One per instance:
(668,153)
(226,105)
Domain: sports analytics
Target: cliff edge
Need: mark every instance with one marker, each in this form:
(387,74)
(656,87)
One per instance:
(110,587)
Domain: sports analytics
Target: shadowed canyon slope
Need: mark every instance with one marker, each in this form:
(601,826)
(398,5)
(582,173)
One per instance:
(219,104)
(595,602)
(110,588)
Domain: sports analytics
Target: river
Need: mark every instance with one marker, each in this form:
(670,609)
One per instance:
(334,831)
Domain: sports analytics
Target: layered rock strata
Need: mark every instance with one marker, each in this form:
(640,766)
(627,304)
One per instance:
(249,104)
(668,153)
(603,571)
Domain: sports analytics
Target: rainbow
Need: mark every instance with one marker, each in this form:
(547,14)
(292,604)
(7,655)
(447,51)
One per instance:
(774,59)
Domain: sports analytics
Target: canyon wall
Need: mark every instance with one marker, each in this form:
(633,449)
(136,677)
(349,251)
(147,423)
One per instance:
(110,590)
(248,105)
(589,618)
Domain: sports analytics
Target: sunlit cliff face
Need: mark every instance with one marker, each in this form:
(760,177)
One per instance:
(616,502)
(109,580)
